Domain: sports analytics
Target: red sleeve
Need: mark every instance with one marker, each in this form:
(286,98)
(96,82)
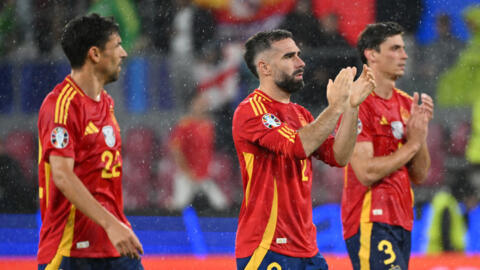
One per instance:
(268,132)
(57,128)
(365,127)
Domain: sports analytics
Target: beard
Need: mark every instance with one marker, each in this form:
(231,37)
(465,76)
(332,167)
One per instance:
(289,84)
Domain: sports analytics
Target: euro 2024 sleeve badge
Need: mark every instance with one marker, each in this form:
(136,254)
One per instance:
(270,120)
(59,137)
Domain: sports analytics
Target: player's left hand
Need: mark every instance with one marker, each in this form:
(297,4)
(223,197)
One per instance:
(362,87)
(427,106)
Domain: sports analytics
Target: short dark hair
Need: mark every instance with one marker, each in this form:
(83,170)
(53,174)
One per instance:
(260,42)
(83,32)
(375,34)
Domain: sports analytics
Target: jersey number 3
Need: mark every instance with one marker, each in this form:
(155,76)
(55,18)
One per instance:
(110,171)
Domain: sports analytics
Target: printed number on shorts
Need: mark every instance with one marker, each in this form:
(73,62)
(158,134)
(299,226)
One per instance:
(110,171)
(304,169)
(274,266)
(386,247)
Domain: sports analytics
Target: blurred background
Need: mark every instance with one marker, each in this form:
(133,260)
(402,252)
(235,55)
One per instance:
(185,64)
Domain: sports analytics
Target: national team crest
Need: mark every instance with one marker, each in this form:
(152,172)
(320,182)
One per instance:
(109,135)
(270,120)
(397,129)
(59,137)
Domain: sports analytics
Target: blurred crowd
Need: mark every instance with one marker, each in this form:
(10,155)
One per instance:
(185,75)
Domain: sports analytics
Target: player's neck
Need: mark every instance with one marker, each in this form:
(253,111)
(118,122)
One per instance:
(88,82)
(273,91)
(385,85)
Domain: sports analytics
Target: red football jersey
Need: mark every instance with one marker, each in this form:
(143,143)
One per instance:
(276,212)
(195,138)
(71,124)
(390,200)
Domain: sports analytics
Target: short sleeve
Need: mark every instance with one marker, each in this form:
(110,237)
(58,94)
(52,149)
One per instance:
(56,128)
(267,131)
(365,129)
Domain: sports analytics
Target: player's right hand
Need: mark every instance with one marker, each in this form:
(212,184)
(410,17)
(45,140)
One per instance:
(124,240)
(338,91)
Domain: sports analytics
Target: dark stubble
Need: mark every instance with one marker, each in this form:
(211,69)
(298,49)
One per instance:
(289,83)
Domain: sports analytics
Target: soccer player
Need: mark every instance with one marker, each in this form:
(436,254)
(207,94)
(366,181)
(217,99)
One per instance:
(391,151)
(80,165)
(275,140)
(192,147)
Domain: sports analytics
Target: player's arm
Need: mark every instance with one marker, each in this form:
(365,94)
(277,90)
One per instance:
(370,169)
(346,135)
(419,165)
(121,236)
(338,92)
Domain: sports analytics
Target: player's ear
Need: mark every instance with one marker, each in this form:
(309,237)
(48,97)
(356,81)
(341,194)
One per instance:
(263,67)
(370,55)
(94,54)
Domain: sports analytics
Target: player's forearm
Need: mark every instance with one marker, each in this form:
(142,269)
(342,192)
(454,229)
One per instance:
(315,133)
(418,167)
(74,190)
(376,168)
(346,136)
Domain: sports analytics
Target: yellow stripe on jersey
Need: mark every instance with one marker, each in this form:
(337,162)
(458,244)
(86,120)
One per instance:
(259,108)
(289,131)
(365,231)
(267,238)
(65,245)
(39,151)
(67,106)
(40,193)
(286,135)
(74,86)
(62,105)
(249,157)
(402,93)
(260,101)
(57,106)
(345,176)
(263,96)
(47,182)
(253,106)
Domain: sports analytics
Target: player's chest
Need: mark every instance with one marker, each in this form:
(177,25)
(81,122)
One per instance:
(389,121)
(293,117)
(99,129)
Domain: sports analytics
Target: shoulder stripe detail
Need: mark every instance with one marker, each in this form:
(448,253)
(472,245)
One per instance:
(402,93)
(62,105)
(59,98)
(289,137)
(260,101)
(75,86)
(253,106)
(263,96)
(289,131)
(68,106)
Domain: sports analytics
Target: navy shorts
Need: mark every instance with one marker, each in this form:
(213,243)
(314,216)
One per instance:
(120,263)
(379,246)
(276,261)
